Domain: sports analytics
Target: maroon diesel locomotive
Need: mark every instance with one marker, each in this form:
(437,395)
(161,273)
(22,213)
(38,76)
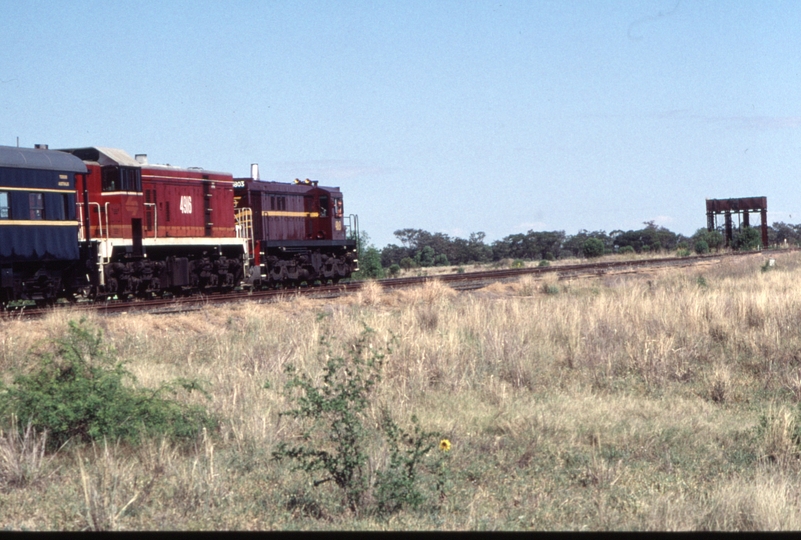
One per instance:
(101,224)
(299,231)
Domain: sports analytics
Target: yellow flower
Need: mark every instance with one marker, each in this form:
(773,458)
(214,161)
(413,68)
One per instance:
(445,445)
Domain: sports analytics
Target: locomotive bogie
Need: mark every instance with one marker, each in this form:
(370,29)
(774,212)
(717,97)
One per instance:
(289,265)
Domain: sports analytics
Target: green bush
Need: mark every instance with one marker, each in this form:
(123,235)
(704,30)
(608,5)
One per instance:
(79,393)
(548,288)
(394,270)
(701,247)
(626,249)
(543,262)
(749,238)
(441,260)
(425,257)
(518,263)
(369,264)
(592,247)
(407,263)
(334,444)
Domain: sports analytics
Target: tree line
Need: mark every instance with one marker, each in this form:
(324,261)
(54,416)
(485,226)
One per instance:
(420,248)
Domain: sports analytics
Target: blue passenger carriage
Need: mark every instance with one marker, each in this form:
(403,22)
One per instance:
(39,233)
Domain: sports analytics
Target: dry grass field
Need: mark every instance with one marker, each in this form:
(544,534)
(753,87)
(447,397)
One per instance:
(664,401)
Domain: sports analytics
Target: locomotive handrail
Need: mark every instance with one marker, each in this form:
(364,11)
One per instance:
(81,233)
(353,228)
(99,221)
(107,227)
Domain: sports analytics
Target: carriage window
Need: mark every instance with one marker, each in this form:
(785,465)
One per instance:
(4,213)
(36,205)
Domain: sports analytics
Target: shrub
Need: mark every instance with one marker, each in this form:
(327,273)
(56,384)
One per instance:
(333,445)
(369,265)
(398,484)
(748,239)
(425,257)
(518,263)
(441,260)
(543,262)
(78,393)
(626,249)
(549,288)
(592,247)
(701,247)
(407,263)
(394,270)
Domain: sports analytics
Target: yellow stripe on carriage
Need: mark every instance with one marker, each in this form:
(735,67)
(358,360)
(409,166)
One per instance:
(36,190)
(39,222)
(272,213)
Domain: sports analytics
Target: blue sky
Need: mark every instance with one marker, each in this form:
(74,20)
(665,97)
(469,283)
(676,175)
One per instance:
(453,117)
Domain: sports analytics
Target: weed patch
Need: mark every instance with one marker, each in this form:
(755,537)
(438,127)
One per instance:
(79,393)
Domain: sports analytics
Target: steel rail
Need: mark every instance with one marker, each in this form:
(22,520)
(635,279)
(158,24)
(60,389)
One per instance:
(463,281)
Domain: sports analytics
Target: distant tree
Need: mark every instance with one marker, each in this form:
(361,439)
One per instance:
(748,238)
(407,262)
(392,254)
(701,247)
(457,250)
(532,245)
(592,247)
(369,259)
(575,243)
(713,239)
(653,236)
(780,232)
(425,257)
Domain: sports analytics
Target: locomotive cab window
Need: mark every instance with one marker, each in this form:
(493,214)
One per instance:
(4,213)
(36,205)
(338,209)
(323,206)
(121,179)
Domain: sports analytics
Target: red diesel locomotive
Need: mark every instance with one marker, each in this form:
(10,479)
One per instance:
(142,230)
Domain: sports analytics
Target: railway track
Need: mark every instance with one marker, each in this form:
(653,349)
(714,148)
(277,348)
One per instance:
(465,281)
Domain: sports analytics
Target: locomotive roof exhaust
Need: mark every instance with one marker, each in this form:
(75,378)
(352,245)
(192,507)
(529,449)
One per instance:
(254,171)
